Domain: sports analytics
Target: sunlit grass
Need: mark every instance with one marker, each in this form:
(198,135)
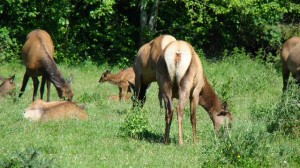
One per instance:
(246,84)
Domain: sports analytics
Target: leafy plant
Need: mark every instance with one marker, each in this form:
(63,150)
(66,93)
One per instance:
(135,124)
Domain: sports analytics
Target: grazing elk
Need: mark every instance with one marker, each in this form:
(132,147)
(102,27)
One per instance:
(120,79)
(180,75)
(37,55)
(40,110)
(8,86)
(290,57)
(145,66)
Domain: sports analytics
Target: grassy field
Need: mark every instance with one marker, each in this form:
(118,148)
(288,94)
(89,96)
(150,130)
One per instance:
(252,88)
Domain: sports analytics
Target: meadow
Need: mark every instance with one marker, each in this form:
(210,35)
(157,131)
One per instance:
(265,131)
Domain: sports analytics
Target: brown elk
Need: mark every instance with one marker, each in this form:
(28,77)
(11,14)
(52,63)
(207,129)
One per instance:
(40,110)
(290,57)
(120,79)
(145,66)
(180,75)
(37,55)
(8,86)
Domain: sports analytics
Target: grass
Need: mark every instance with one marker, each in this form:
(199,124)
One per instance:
(251,87)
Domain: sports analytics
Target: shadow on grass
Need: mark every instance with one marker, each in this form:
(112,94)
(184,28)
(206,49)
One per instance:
(150,137)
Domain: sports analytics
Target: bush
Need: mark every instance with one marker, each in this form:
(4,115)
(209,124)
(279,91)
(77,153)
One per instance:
(9,49)
(135,124)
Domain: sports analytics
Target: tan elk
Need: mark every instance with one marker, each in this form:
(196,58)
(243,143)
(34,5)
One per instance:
(145,66)
(180,75)
(290,57)
(40,110)
(120,79)
(37,55)
(8,86)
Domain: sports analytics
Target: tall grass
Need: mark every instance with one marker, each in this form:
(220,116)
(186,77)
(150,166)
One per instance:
(252,88)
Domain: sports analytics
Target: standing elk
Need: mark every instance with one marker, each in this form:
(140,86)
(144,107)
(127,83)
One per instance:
(120,79)
(290,57)
(8,86)
(37,55)
(145,66)
(40,110)
(180,75)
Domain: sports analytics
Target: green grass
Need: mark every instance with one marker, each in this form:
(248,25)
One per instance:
(252,89)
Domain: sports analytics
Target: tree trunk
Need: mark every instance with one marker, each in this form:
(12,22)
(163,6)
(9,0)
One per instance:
(147,24)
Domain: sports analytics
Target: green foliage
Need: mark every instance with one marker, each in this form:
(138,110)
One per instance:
(241,149)
(9,49)
(135,124)
(29,157)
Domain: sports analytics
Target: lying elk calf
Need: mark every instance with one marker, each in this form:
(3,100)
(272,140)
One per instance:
(37,55)
(40,110)
(145,66)
(8,86)
(120,79)
(180,75)
(290,57)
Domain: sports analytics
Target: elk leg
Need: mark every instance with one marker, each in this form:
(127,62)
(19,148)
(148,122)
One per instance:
(24,83)
(48,89)
(183,97)
(120,93)
(194,104)
(168,118)
(35,87)
(142,93)
(285,75)
(123,92)
(43,86)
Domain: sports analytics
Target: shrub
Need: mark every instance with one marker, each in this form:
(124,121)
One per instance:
(9,48)
(135,124)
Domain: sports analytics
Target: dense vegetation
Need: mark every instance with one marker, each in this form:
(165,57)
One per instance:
(113,30)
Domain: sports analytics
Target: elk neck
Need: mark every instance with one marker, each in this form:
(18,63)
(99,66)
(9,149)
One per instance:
(209,99)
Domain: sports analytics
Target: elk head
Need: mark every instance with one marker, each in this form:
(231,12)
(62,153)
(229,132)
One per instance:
(65,92)
(103,77)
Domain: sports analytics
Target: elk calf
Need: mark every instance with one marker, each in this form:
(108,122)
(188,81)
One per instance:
(290,57)
(40,110)
(180,75)
(37,55)
(8,86)
(120,79)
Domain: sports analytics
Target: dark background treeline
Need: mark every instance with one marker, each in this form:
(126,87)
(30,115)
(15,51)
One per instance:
(111,31)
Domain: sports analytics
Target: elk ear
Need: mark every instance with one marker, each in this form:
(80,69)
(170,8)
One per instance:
(1,78)
(71,79)
(108,71)
(82,106)
(11,79)
(225,106)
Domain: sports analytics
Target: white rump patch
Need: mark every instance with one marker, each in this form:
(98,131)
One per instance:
(178,57)
(33,115)
(166,40)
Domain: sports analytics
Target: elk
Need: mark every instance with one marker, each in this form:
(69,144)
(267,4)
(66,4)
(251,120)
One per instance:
(8,86)
(42,111)
(120,79)
(290,58)
(37,55)
(180,75)
(145,66)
